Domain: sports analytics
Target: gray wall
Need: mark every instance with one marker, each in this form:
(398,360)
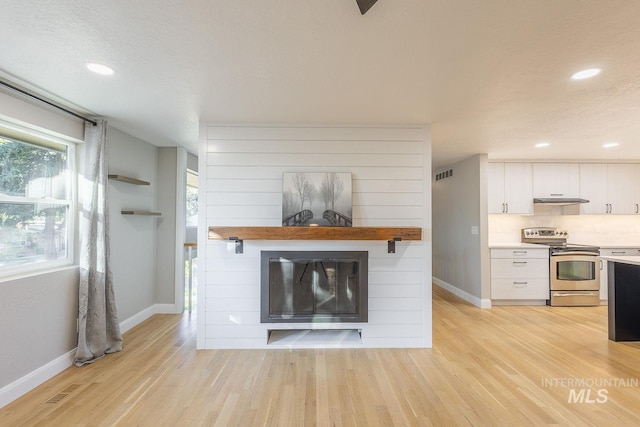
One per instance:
(37,321)
(133,238)
(460,258)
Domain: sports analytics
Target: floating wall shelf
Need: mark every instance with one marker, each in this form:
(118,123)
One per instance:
(390,234)
(128,180)
(137,212)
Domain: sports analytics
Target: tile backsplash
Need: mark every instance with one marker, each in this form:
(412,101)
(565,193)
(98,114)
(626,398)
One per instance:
(601,230)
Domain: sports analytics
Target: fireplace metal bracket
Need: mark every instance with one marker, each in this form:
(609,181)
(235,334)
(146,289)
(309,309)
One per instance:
(391,245)
(239,244)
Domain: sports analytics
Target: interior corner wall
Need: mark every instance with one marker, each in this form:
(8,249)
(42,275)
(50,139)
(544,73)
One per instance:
(460,231)
(132,237)
(241,171)
(172,168)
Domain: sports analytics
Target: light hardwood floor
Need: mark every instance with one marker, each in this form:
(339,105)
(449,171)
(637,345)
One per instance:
(504,366)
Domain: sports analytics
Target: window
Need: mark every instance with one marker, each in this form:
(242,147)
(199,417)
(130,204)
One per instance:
(36,199)
(192,199)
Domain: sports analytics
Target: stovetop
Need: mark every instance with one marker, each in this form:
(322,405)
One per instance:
(573,247)
(555,238)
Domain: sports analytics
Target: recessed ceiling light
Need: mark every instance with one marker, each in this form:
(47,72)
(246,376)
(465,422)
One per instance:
(585,74)
(610,145)
(542,144)
(100,68)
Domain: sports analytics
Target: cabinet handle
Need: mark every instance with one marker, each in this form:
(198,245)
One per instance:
(601,265)
(507,205)
(520,284)
(556,194)
(519,263)
(618,252)
(503,208)
(520,253)
(637,208)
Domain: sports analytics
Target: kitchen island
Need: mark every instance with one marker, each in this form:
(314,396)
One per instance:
(624,297)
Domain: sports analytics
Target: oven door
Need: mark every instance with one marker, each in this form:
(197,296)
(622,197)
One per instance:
(574,271)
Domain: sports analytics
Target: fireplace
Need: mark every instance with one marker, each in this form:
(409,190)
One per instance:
(313,286)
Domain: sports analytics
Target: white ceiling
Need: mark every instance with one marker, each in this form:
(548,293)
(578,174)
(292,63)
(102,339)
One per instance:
(491,76)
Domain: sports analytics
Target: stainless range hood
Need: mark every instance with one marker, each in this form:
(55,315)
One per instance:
(559,201)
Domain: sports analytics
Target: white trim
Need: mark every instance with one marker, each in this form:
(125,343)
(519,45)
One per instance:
(141,316)
(478,302)
(23,385)
(180,226)
(137,318)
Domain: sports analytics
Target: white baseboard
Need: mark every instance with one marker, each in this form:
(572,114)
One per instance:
(23,385)
(137,318)
(478,302)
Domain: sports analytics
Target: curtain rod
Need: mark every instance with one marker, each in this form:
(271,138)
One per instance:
(24,92)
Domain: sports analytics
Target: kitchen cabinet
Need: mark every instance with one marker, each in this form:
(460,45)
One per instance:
(559,180)
(610,188)
(617,252)
(510,188)
(519,274)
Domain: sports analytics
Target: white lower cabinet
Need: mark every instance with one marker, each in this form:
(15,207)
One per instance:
(519,274)
(604,280)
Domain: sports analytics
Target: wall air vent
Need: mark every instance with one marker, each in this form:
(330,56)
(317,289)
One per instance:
(444,174)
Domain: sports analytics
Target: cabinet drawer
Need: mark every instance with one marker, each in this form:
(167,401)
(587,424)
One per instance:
(520,269)
(620,252)
(519,289)
(520,253)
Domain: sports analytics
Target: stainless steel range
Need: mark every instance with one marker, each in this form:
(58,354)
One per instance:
(574,276)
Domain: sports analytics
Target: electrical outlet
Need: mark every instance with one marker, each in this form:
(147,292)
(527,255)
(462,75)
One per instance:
(474,229)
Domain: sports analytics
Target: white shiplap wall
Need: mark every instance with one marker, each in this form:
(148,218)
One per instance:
(241,171)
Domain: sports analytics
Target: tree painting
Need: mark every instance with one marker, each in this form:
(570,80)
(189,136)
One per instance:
(331,189)
(303,188)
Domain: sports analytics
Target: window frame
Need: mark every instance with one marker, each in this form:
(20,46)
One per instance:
(45,140)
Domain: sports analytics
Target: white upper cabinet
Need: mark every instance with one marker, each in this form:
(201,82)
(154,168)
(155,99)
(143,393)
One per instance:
(556,180)
(593,187)
(610,188)
(510,188)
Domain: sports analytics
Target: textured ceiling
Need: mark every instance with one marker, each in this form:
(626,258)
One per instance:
(491,76)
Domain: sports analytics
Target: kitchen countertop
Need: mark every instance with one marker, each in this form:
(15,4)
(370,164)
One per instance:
(635,260)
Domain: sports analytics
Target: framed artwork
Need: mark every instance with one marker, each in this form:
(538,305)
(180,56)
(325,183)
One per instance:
(316,199)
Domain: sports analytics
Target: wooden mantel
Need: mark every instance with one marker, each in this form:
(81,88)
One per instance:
(315,233)
(391,234)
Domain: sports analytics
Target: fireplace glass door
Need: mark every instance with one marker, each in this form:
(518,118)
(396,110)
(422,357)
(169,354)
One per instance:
(314,287)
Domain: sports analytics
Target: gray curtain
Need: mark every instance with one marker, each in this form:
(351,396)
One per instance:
(99,329)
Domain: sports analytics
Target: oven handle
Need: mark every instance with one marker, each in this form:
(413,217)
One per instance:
(557,294)
(594,254)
